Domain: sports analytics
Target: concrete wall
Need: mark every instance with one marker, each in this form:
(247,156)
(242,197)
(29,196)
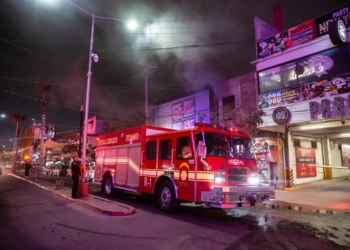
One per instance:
(337,161)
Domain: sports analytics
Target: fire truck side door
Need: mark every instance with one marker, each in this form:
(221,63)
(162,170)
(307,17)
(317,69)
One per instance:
(148,169)
(185,165)
(165,155)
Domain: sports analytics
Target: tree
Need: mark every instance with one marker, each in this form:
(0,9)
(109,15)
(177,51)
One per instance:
(117,123)
(246,122)
(17,118)
(72,149)
(43,89)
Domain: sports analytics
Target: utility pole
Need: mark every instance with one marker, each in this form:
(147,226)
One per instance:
(147,69)
(80,128)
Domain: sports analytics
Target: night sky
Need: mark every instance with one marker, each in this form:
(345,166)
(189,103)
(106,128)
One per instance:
(194,43)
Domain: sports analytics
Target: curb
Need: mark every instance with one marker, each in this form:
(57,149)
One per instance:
(84,204)
(305,208)
(301,186)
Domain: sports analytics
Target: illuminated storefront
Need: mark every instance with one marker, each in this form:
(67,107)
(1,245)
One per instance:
(304,88)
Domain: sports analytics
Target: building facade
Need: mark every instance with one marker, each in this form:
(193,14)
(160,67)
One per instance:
(303,78)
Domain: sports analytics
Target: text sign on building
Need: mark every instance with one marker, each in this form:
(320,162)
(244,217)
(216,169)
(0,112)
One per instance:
(322,22)
(304,158)
(281,115)
(329,109)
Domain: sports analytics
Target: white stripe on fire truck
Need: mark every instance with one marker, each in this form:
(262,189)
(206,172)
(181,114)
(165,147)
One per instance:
(155,172)
(121,160)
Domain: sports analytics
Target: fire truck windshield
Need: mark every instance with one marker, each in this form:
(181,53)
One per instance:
(223,145)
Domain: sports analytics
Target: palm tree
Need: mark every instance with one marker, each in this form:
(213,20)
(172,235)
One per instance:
(43,89)
(17,118)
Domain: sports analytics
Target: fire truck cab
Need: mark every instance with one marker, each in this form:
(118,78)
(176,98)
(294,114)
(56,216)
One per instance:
(206,164)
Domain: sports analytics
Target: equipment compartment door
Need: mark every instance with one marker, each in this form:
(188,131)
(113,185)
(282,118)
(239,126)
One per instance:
(122,163)
(133,167)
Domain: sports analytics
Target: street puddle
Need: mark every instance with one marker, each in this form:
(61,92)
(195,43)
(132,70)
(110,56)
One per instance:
(301,209)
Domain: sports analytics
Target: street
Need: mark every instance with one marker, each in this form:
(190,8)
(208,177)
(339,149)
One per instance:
(32,218)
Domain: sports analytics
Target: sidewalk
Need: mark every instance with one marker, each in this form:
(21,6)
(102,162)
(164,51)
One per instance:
(326,196)
(94,203)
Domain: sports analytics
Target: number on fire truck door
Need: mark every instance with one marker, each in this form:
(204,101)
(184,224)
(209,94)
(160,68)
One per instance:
(147,181)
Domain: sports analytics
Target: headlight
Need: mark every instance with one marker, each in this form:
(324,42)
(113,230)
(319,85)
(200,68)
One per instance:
(219,179)
(219,176)
(253,174)
(254,180)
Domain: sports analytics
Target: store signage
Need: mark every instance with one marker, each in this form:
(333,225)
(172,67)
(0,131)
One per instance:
(181,110)
(304,32)
(281,115)
(337,32)
(304,158)
(323,22)
(325,107)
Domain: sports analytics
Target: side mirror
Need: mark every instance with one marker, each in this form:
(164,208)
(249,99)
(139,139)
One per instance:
(202,149)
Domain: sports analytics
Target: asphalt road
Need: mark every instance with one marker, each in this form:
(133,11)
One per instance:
(32,218)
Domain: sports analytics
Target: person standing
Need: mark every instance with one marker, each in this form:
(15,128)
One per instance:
(76,171)
(27,167)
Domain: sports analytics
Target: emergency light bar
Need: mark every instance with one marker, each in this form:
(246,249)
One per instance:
(206,125)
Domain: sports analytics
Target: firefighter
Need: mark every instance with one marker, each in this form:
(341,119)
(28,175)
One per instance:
(187,150)
(76,172)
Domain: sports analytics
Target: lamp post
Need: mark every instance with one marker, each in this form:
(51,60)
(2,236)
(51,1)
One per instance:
(89,73)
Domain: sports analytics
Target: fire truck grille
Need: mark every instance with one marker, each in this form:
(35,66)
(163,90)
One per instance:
(237,178)
(241,171)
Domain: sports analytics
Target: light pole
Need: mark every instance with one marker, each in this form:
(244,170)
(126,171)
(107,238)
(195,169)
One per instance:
(89,73)
(83,186)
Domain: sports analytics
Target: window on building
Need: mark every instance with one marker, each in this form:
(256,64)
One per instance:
(229,101)
(151,150)
(325,65)
(277,78)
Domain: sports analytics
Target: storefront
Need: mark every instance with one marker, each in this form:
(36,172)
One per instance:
(304,88)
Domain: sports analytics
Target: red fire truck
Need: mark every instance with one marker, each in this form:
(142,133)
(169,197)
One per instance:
(206,164)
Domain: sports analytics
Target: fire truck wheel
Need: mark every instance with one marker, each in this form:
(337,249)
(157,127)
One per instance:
(167,197)
(108,188)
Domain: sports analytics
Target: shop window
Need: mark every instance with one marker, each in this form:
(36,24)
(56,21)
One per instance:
(277,78)
(297,143)
(325,65)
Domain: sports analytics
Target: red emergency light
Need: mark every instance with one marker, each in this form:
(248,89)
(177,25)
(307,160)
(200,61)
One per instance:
(206,125)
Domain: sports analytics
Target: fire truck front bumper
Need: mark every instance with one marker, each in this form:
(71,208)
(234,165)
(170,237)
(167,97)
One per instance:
(237,196)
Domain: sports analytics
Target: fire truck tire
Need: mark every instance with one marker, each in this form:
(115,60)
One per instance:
(108,188)
(166,197)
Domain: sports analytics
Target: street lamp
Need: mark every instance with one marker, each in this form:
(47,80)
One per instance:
(89,73)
